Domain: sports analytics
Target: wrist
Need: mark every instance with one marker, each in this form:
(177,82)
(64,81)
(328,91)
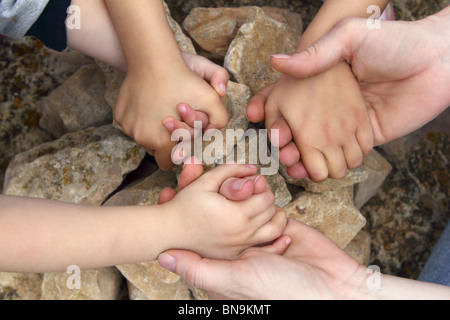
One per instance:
(438,28)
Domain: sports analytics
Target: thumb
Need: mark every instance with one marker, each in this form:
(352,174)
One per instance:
(336,46)
(196,271)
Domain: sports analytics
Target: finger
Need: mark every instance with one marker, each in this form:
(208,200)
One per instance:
(181,152)
(192,170)
(163,157)
(197,271)
(334,47)
(171,124)
(238,189)
(191,116)
(255,109)
(214,179)
(284,133)
(365,138)
(216,75)
(297,171)
(219,81)
(166,195)
(289,155)
(272,229)
(279,246)
(315,164)
(353,154)
(337,166)
(217,114)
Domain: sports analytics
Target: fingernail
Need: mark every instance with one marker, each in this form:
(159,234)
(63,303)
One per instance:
(169,125)
(223,88)
(281,56)
(238,185)
(182,108)
(167,262)
(250,166)
(288,241)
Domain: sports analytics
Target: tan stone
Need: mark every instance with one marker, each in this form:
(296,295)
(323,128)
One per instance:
(97,284)
(184,43)
(359,247)
(331,212)
(248,57)
(20,286)
(378,168)
(213,29)
(352,177)
(81,167)
(77,104)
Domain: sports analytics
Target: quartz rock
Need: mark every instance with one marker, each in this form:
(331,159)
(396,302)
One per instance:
(331,212)
(213,29)
(248,57)
(77,104)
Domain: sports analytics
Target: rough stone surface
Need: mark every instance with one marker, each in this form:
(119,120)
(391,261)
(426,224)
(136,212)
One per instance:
(77,104)
(377,169)
(81,167)
(409,212)
(352,177)
(248,58)
(20,286)
(184,43)
(97,284)
(213,29)
(359,247)
(330,212)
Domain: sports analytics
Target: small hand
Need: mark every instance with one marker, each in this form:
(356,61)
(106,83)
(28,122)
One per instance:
(322,121)
(238,225)
(146,98)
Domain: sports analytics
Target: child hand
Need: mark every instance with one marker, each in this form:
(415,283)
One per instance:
(149,96)
(215,226)
(323,122)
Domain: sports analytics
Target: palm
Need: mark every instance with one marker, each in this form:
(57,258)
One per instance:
(400,85)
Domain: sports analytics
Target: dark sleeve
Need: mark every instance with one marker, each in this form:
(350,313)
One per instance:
(50,28)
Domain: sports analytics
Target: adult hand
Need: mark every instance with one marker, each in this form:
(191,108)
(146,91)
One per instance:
(312,267)
(403,69)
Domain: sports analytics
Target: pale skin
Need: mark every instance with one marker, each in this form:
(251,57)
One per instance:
(138,40)
(323,121)
(405,68)
(48,236)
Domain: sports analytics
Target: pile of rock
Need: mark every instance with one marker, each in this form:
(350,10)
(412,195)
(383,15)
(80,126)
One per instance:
(90,158)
